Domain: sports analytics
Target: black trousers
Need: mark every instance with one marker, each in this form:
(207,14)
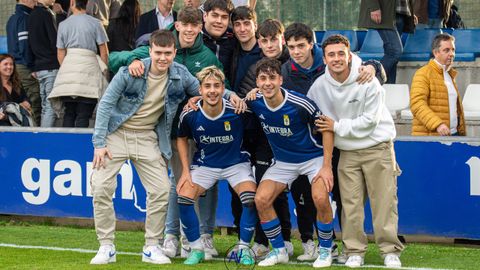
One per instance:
(78,113)
(261,156)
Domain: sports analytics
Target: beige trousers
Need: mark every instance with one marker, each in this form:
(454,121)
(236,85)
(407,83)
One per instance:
(373,172)
(141,147)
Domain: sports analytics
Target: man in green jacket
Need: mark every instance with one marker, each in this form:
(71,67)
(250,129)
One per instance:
(192,53)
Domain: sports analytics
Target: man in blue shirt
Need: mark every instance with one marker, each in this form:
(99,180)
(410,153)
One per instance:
(287,118)
(218,133)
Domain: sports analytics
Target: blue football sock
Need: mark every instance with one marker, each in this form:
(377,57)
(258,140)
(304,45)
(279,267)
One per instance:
(273,231)
(325,234)
(189,218)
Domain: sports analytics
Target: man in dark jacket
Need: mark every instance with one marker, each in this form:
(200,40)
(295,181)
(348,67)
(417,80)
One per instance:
(161,17)
(19,48)
(216,34)
(43,37)
(380,15)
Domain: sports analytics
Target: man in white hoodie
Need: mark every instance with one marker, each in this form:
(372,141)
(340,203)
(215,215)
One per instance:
(364,131)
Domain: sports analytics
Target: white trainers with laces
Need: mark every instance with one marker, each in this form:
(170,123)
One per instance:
(324,258)
(276,256)
(260,250)
(154,254)
(354,261)
(170,246)
(105,254)
(392,261)
(309,251)
(208,246)
(289,247)
(185,248)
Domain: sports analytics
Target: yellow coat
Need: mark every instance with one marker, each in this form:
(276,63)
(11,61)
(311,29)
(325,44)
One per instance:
(429,101)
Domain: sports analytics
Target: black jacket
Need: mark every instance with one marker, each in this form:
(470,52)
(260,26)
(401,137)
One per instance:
(250,80)
(42,29)
(223,48)
(149,23)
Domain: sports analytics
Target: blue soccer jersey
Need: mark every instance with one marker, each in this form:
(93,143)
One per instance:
(289,127)
(218,139)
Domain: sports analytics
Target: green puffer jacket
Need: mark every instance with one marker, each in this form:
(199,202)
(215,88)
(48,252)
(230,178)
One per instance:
(194,58)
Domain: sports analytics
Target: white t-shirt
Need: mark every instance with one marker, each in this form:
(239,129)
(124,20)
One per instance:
(81,31)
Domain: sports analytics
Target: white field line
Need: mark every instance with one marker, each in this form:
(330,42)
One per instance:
(81,250)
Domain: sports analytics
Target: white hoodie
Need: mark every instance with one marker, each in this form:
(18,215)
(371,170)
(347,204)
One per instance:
(361,117)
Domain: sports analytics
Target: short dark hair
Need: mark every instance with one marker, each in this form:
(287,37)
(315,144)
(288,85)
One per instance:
(244,13)
(81,4)
(225,5)
(162,38)
(190,15)
(298,31)
(270,28)
(269,66)
(439,38)
(335,39)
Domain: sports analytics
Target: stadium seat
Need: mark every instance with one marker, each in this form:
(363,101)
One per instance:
(350,34)
(471,102)
(418,45)
(361,34)
(397,98)
(319,36)
(466,44)
(372,47)
(3,44)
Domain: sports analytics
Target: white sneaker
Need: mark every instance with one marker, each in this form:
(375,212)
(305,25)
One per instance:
(260,250)
(276,256)
(208,246)
(324,258)
(392,261)
(289,247)
(154,254)
(309,251)
(105,254)
(185,248)
(354,261)
(170,246)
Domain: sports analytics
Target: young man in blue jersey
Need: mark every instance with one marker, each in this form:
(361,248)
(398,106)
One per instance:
(218,133)
(288,119)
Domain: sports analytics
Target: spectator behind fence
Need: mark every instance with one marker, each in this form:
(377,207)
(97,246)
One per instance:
(380,15)
(161,17)
(121,30)
(432,13)
(364,131)
(80,81)
(18,47)
(42,27)
(11,88)
(104,10)
(434,97)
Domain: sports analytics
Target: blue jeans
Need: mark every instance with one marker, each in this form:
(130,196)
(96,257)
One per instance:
(46,79)
(392,46)
(432,23)
(207,205)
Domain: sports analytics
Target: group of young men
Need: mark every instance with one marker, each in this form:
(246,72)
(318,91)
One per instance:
(302,101)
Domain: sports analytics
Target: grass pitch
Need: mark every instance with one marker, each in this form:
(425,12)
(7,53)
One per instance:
(415,256)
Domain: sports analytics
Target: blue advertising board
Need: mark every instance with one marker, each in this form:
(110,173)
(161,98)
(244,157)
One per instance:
(47,174)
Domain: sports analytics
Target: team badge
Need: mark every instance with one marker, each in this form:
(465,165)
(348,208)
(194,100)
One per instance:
(286,120)
(226,124)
